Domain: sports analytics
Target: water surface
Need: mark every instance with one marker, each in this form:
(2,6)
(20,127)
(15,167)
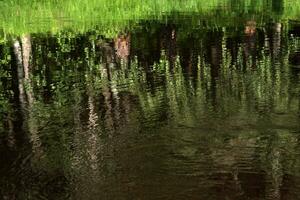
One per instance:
(190,106)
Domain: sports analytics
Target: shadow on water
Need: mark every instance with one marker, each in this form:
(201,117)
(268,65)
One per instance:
(164,111)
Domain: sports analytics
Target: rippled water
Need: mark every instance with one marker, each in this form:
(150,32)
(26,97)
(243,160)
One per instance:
(169,109)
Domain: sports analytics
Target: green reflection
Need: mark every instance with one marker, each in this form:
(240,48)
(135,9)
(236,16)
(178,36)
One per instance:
(109,17)
(185,108)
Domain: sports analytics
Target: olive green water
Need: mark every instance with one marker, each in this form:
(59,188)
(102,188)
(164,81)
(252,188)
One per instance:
(190,106)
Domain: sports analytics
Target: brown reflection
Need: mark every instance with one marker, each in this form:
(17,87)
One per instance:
(169,44)
(250,48)
(214,58)
(122,46)
(250,28)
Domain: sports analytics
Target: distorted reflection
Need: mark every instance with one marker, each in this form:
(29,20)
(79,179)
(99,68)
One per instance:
(164,111)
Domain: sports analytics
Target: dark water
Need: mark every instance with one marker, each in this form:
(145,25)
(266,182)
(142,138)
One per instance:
(173,109)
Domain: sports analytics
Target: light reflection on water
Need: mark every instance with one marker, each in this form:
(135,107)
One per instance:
(159,112)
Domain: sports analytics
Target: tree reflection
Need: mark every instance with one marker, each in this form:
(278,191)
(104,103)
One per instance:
(216,110)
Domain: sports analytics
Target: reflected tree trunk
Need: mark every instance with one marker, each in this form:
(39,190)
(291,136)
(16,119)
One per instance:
(32,121)
(249,44)
(168,43)
(109,121)
(26,51)
(122,47)
(275,176)
(78,130)
(92,131)
(87,154)
(108,96)
(276,39)
(20,72)
(18,88)
(216,60)
(22,53)
(10,138)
